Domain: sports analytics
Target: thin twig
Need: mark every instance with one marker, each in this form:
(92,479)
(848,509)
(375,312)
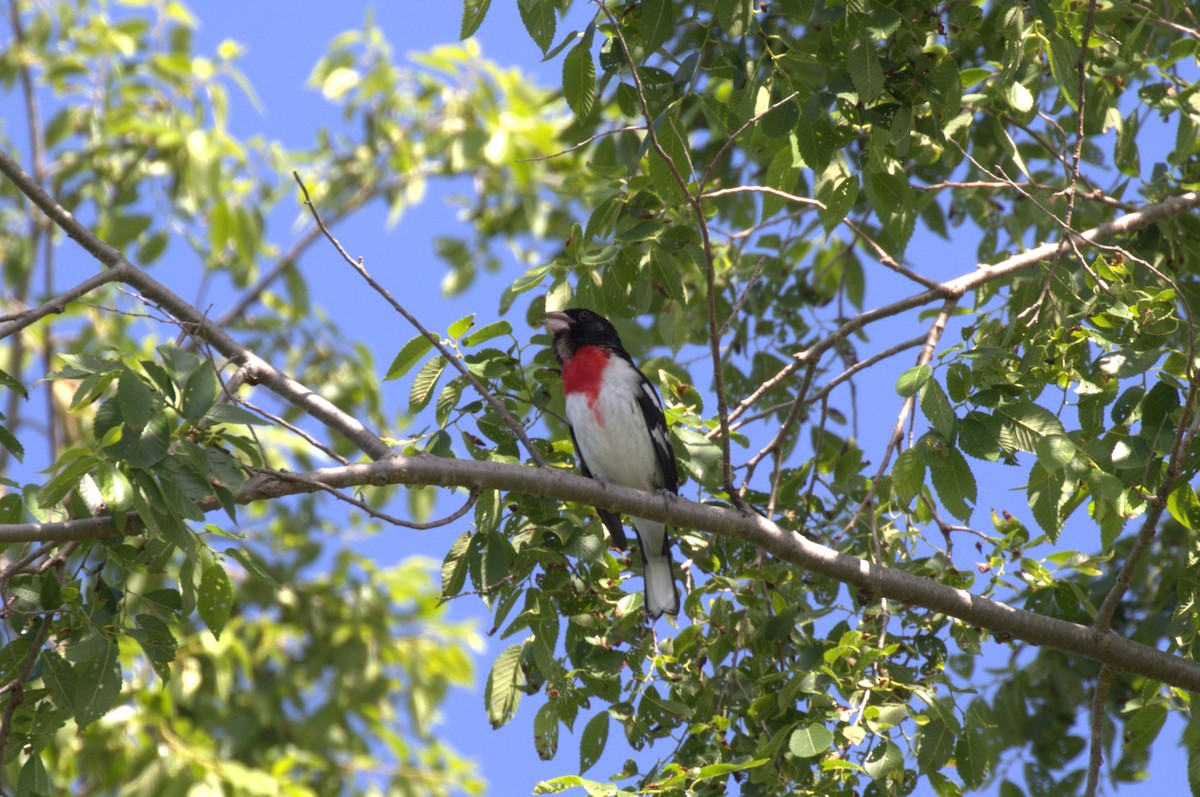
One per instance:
(1099,718)
(472,496)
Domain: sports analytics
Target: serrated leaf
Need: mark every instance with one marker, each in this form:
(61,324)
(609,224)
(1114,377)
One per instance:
(461,326)
(936,407)
(1184,506)
(135,400)
(158,643)
(214,600)
(12,383)
(954,482)
(115,488)
(98,683)
(579,81)
(839,198)
(658,23)
(972,758)
(252,566)
(1023,424)
(501,695)
(810,740)
(66,479)
(912,380)
(199,393)
(473,13)
(147,448)
(908,475)
(1044,492)
(424,383)
(540,21)
(936,745)
(593,741)
(454,566)
(1019,97)
(1143,726)
(488,332)
(1055,451)
(1063,68)
(33,778)
(409,355)
(12,444)
(865,70)
(545,732)
(665,183)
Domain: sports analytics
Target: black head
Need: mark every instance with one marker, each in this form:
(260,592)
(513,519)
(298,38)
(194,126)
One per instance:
(576,327)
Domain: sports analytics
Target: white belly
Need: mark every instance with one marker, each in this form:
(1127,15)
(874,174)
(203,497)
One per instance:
(612,433)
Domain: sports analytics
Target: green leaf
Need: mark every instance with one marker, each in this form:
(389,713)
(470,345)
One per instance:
(658,23)
(473,13)
(912,380)
(98,683)
(158,643)
(1023,424)
(252,566)
(135,400)
(908,475)
(1184,506)
(1063,67)
(540,21)
(424,383)
(1143,726)
(199,393)
(972,757)
(501,694)
(409,355)
(954,482)
(115,488)
(809,741)
(545,731)
(78,462)
(147,448)
(1045,493)
(12,444)
(865,70)
(663,178)
(461,326)
(9,381)
(593,740)
(579,80)
(214,601)
(884,759)
(936,745)
(1055,451)
(488,332)
(937,409)
(839,198)
(33,778)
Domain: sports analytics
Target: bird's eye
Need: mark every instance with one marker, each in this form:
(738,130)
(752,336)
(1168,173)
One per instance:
(585,316)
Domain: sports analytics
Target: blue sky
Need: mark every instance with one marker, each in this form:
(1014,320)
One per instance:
(282,43)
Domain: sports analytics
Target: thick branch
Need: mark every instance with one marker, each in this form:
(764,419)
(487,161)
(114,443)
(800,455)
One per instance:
(880,582)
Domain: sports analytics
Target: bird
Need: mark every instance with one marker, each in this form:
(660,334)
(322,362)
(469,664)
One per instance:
(620,435)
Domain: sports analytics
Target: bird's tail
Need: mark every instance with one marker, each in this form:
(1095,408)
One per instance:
(662,596)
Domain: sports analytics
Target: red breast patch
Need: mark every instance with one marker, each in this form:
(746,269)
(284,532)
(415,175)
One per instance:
(584,372)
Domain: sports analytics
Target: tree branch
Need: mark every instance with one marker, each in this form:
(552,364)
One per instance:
(999,618)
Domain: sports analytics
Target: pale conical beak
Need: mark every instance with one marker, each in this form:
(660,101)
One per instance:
(556,322)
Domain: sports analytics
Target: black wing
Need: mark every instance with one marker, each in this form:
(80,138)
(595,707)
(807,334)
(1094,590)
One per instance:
(656,423)
(611,520)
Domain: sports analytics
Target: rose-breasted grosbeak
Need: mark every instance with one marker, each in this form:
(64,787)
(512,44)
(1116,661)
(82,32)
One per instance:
(620,435)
